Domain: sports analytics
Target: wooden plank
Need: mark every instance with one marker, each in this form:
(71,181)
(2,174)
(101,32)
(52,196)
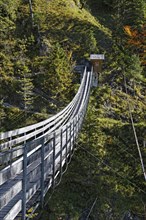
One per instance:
(9,155)
(15,186)
(10,192)
(12,213)
(62,151)
(15,168)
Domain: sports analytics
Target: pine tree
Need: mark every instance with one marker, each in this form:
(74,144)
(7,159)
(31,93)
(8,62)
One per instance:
(26,92)
(136,41)
(2,114)
(133,67)
(56,77)
(127,13)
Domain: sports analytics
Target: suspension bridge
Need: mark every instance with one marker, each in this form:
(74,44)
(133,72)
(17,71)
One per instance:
(32,157)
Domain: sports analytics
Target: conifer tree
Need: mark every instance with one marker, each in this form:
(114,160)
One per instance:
(127,13)
(26,92)
(56,78)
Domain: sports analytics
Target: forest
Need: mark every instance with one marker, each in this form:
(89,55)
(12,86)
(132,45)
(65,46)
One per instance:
(42,41)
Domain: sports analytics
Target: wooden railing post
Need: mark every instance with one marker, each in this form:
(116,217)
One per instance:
(24,182)
(61,147)
(70,140)
(74,130)
(80,120)
(42,173)
(70,131)
(66,141)
(53,171)
(76,126)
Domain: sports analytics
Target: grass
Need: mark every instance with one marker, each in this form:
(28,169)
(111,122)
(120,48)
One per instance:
(61,16)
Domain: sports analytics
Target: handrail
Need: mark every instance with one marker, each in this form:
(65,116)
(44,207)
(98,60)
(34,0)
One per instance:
(26,129)
(22,133)
(37,162)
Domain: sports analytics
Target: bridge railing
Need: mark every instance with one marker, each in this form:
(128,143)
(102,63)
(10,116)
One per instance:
(35,164)
(22,134)
(18,137)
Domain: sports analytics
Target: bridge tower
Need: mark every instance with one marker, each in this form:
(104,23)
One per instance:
(96,60)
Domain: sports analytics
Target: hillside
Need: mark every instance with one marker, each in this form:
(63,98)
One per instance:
(41,43)
(38,41)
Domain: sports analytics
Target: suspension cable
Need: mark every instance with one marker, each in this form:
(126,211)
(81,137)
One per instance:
(91,208)
(134,131)
(112,169)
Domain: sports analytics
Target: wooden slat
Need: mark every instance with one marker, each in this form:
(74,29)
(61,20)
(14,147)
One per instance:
(11,176)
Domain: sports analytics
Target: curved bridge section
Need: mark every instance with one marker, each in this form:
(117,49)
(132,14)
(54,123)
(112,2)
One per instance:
(32,157)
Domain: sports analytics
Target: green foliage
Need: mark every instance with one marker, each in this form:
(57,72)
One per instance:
(127,12)
(134,68)
(55,78)
(9,8)
(26,92)
(105,165)
(107,134)
(36,67)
